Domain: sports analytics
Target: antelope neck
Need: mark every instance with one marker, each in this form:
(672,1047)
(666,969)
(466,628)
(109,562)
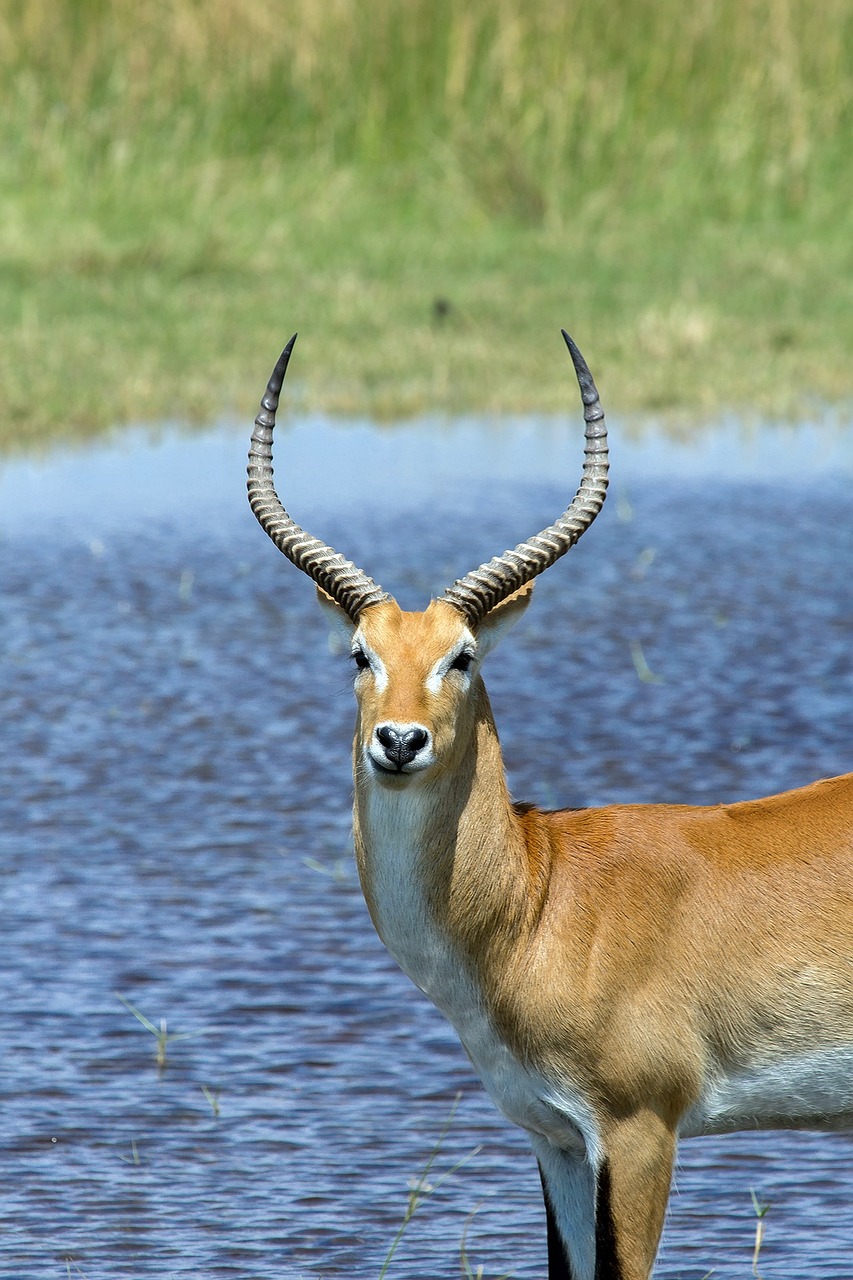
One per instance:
(442,862)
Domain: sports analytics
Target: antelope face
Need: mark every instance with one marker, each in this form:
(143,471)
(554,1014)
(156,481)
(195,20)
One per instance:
(413,674)
(417,684)
(413,670)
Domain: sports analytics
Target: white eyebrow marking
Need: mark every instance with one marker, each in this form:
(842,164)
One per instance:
(466,645)
(377,666)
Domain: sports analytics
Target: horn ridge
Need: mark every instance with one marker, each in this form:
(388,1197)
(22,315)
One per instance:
(478,592)
(348,585)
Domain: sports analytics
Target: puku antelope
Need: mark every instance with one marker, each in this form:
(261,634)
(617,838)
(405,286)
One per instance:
(620,977)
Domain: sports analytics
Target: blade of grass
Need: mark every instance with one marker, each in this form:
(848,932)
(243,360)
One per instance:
(420,1188)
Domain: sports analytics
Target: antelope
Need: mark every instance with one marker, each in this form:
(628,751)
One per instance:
(620,977)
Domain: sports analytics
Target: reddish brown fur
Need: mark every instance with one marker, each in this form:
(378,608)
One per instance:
(707,906)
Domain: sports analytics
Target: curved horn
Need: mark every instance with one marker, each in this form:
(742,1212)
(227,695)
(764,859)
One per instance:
(339,578)
(479,591)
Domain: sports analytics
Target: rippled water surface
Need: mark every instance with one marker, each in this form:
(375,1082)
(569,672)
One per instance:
(175,789)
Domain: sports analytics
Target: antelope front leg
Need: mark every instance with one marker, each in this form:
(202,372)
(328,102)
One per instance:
(605,1222)
(633,1190)
(568,1187)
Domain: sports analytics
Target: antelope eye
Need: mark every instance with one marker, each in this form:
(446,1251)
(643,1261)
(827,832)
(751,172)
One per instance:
(360,659)
(462,661)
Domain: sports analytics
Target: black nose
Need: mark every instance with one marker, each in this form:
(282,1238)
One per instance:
(401,747)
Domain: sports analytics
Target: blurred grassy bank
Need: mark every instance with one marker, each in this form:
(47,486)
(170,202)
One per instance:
(427,190)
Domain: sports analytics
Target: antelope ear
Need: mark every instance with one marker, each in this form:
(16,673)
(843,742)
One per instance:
(500,619)
(341,625)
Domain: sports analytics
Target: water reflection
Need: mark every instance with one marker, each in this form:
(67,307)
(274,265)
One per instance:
(175,828)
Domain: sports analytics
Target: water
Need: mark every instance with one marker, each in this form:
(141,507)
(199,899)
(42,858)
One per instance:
(175,828)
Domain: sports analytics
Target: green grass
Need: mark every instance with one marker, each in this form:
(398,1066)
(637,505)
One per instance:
(162,1035)
(427,191)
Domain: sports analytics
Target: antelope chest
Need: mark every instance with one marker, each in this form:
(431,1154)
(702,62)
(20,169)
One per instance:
(390,864)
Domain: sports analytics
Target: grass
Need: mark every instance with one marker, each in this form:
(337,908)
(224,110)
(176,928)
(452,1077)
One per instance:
(761,1211)
(421,1187)
(427,191)
(163,1037)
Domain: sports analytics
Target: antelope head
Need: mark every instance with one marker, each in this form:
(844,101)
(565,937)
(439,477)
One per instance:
(417,673)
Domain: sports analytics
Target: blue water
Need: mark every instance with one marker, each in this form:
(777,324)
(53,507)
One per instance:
(174,827)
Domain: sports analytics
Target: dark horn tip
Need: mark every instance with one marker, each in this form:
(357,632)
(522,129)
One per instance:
(269,401)
(581,368)
(278,372)
(589,392)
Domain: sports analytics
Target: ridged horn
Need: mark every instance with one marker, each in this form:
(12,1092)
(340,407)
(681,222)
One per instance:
(339,578)
(484,588)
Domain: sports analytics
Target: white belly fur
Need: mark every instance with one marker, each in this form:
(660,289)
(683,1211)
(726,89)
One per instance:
(810,1091)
